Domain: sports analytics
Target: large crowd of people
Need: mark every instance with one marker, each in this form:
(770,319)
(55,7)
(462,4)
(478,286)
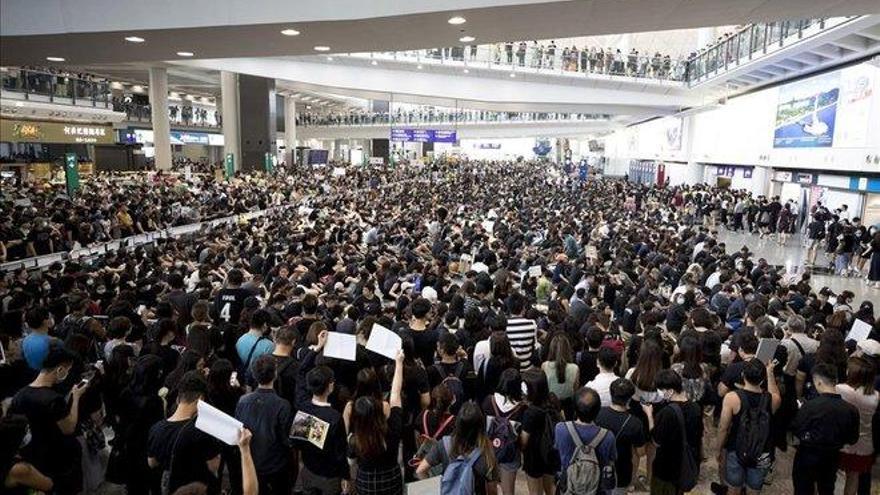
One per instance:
(586,336)
(550,56)
(426,115)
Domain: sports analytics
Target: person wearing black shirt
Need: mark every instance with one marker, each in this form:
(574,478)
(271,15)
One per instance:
(823,425)
(176,446)
(53,449)
(424,338)
(269,417)
(587,364)
(750,396)
(452,364)
(375,439)
(286,366)
(677,421)
(230,300)
(629,431)
(325,466)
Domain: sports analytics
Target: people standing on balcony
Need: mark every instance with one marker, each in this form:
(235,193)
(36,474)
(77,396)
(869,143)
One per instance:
(521,53)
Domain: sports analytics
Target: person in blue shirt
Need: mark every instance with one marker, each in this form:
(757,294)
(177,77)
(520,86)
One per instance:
(35,346)
(256,341)
(587,407)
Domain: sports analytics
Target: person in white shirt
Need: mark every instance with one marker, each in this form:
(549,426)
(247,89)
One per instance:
(607,360)
(859,391)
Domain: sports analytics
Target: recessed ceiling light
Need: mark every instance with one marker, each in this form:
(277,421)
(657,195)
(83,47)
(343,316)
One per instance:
(322,48)
(55,59)
(512,74)
(290,32)
(466,71)
(374,63)
(134,39)
(455,21)
(185,54)
(419,66)
(329,59)
(466,39)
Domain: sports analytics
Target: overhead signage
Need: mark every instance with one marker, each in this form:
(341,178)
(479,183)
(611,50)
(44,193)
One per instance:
(423,135)
(145,136)
(24,131)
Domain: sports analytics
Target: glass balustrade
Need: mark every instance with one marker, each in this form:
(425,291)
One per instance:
(57,88)
(444,118)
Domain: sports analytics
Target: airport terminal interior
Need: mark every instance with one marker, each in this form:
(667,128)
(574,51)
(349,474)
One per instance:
(488,247)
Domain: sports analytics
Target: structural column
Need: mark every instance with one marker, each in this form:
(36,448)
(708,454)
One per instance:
(229,114)
(289,131)
(159,113)
(257,127)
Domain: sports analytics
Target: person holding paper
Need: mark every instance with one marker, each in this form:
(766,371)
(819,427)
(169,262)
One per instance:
(325,467)
(269,417)
(375,440)
(178,448)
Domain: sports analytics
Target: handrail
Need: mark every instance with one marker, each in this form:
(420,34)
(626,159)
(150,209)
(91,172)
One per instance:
(35,82)
(87,253)
(741,46)
(358,119)
(532,60)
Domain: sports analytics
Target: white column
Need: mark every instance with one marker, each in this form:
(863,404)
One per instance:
(289,130)
(229,100)
(159,113)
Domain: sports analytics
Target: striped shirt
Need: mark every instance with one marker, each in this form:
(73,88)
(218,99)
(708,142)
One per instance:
(522,332)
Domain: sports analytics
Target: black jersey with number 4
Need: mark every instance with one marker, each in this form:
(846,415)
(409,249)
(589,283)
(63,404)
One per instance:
(229,303)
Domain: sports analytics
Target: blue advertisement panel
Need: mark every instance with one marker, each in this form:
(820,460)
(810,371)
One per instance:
(806,112)
(423,135)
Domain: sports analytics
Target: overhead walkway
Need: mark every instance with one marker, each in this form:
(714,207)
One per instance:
(767,53)
(481,88)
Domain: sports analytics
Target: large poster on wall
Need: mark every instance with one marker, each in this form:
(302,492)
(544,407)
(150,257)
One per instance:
(853,114)
(806,113)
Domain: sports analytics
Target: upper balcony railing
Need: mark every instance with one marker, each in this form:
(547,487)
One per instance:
(55,88)
(179,115)
(440,117)
(538,59)
(751,42)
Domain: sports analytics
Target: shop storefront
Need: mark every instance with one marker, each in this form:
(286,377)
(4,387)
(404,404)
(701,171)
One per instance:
(37,148)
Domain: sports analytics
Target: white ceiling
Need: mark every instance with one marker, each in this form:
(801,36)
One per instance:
(92,31)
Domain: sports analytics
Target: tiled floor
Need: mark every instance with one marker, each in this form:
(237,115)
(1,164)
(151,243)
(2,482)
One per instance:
(794,254)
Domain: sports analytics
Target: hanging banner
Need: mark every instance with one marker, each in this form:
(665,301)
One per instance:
(71,173)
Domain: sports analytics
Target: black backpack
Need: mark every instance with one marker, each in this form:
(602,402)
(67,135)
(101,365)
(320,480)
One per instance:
(754,429)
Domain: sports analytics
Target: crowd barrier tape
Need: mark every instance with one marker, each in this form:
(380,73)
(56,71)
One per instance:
(89,252)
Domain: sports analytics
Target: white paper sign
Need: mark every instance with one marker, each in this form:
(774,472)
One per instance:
(766,350)
(218,424)
(489,226)
(340,346)
(383,341)
(338,171)
(860,331)
(535,271)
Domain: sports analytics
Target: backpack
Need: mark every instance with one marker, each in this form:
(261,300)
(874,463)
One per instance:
(458,477)
(426,442)
(454,382)
(502,435)
(70,325)
(547,452)
(583,475)
(754,430)
(690,469)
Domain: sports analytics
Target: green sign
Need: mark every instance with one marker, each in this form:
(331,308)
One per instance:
(71,173)
(268,162)
(230,165)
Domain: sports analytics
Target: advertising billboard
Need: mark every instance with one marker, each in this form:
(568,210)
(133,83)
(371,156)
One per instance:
(806,112)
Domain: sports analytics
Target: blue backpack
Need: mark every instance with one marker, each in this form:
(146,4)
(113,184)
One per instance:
(458,478)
